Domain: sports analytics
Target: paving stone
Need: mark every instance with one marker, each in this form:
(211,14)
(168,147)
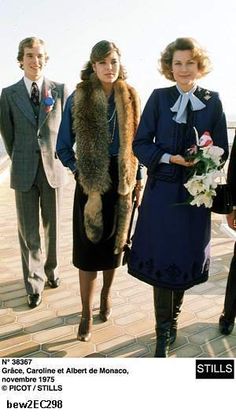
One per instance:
(16,341)
(209,312)
(231,353)
(16,302)
(65,303)
(79,349)
(200,289)
(194,328)
(72,318)
(219,345)
(180,341)
(7,319)
(123,310)
(107,333)
(140,326)
(115,343)
(186,317)
(142,299)
(95,355)
(120,285)
(199,305)
(187,351)
(39,354)
(130,318)
(53,333)
(10,330)
(52,295)
(20,350)
(207,334)
(35,315)
(69,310)
(147,307)
(190,297)
(217,291)
(40,326)
(11,288)
(132,291)
(132,350)
(148,338)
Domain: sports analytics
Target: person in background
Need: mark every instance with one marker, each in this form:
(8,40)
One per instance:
(227,318)
(170,249)
(30,115)
(101,117)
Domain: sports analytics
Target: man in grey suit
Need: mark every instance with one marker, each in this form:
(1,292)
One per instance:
(30,115)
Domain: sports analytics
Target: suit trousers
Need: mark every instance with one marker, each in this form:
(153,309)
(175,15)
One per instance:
(47,200)
(230,294)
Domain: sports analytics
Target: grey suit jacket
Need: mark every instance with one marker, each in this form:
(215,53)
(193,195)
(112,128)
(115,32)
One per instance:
(25,139)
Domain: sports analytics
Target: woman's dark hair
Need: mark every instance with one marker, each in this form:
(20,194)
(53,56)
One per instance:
(29,43)
(99,52)
(183,44)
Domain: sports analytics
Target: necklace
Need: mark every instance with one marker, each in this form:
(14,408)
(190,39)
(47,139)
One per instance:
(113,127)
(112,116)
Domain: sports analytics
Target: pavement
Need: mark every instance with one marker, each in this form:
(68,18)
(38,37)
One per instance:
(50,330)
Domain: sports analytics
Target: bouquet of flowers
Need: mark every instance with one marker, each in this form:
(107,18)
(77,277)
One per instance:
(202,181)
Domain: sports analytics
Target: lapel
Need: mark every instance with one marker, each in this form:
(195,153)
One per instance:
(47,87)
(203,94)
(21,98)
(173,95)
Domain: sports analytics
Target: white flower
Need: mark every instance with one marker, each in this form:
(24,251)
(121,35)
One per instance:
(214,153)
(209,180)
(202,183)
(195,185)
(203,199)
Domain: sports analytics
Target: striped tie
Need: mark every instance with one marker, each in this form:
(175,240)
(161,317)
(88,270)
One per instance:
(35,93)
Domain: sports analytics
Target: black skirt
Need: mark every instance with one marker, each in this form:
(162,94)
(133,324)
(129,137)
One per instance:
(100,256)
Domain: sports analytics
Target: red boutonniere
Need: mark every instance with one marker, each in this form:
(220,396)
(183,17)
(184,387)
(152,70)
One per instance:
(48,101)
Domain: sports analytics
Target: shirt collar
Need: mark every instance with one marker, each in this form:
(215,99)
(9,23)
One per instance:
(28,83)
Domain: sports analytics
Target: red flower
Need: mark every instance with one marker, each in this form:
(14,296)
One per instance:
(205,140)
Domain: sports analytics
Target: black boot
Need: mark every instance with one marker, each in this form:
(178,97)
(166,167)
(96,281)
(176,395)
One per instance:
(226,321)
(163,303)
(177,303)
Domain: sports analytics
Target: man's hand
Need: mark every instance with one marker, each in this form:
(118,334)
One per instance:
(231,220)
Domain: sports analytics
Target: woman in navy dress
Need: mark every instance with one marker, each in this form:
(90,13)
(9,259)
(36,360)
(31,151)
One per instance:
(171,244)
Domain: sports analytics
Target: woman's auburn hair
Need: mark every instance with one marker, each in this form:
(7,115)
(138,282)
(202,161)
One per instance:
(182,44)
(100,51)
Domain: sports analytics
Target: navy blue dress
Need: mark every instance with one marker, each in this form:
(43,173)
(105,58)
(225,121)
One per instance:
(171,243)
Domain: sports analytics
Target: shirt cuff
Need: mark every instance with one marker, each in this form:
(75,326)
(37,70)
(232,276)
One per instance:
(139,174)
(165,158)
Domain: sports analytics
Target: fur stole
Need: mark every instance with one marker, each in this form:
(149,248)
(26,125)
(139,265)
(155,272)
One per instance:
(90,125)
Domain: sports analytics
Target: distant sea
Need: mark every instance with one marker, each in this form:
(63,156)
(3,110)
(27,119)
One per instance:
(2,149)
(231,131)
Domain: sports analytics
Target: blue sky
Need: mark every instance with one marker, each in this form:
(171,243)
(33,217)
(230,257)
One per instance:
(141,28)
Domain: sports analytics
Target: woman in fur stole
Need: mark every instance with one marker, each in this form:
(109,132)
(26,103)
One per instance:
(101,118)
